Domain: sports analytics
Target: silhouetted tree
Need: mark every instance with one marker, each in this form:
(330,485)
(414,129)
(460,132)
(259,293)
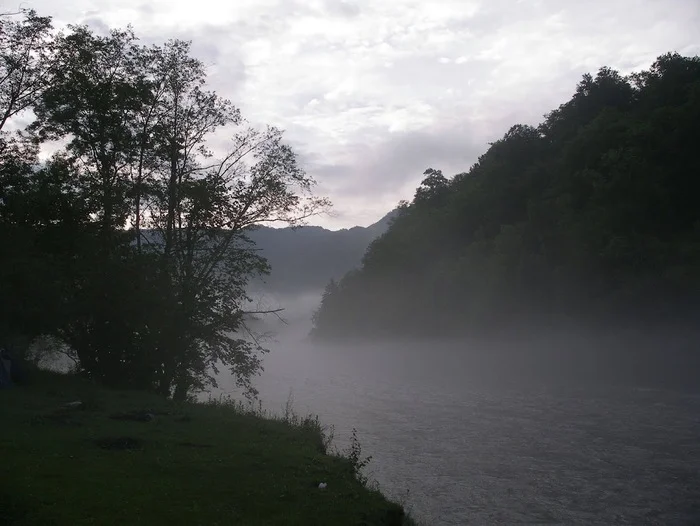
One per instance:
(131,241)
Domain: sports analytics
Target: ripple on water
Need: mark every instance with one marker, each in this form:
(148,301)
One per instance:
(464,448)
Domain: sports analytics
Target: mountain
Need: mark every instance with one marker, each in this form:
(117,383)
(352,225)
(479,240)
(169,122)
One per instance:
(306,258)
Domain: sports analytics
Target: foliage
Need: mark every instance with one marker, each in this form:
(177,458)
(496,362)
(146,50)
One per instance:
(27,61)
(358,462)
(592,214)
(130,243)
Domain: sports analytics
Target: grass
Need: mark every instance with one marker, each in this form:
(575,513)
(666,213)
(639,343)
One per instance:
(132,458)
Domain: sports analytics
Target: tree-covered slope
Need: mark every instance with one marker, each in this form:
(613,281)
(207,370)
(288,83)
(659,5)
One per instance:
(593,215)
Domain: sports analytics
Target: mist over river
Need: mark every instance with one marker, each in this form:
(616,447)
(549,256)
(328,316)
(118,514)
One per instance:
(542,428)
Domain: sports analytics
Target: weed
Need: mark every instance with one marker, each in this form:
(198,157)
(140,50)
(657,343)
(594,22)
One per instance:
(354,455)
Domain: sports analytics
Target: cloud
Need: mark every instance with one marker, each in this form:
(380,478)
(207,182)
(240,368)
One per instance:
(344,8)
(96,24)
(393,168)
(372,93)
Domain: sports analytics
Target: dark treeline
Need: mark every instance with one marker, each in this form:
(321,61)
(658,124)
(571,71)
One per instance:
(128,244)
(593,215)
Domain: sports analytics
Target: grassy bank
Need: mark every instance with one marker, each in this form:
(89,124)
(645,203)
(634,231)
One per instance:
(132,458)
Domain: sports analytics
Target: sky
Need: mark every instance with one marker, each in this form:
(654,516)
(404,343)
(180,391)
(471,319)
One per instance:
(372,93)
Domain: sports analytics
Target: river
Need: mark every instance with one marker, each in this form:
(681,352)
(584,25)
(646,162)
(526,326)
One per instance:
(545,429)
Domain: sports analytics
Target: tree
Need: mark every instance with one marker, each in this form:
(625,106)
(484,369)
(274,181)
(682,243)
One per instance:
(163,299)
(201,209)
(433,187)
(26,68)
(26,62)
(327,309)
(210,259)
(94,101)
(45,232)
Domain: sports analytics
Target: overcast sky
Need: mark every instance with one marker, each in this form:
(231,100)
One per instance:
(371,93)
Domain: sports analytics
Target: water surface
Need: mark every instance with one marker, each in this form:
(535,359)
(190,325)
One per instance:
(527,431)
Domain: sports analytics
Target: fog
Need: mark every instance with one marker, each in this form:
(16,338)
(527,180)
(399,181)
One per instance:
(567,426)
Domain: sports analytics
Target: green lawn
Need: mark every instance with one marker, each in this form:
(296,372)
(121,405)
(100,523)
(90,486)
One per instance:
(192,464)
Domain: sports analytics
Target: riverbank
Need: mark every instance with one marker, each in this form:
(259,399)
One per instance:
(74,453)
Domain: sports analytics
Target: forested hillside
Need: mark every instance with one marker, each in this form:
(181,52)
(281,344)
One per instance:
(593,215)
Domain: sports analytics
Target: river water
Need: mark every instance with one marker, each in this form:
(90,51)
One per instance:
(537,430)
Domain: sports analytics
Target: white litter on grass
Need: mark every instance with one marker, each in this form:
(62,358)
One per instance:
(75,404)
(322,485)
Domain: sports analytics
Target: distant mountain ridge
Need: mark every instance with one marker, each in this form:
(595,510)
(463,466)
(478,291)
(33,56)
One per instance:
(307,257)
